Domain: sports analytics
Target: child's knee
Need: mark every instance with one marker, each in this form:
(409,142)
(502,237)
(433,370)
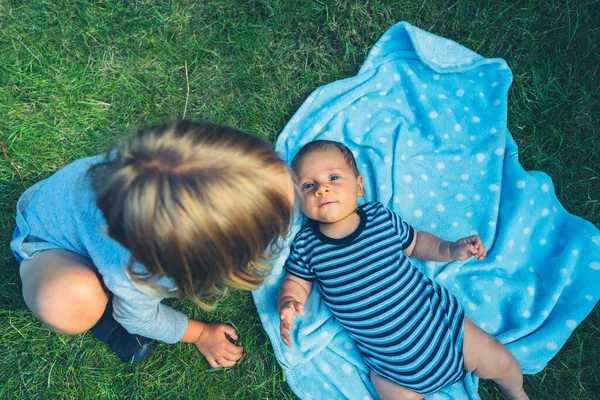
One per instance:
(70,303)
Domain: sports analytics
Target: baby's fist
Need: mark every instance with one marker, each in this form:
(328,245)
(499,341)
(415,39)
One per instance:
(465,248)
(288,308)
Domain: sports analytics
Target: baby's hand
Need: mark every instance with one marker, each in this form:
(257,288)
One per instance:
(464,248)
(288,308)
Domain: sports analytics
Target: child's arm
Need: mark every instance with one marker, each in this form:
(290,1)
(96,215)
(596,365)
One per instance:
(212,343)
(293,294)
(426,246)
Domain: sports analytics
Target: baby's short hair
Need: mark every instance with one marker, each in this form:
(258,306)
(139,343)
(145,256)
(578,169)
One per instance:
(324,145)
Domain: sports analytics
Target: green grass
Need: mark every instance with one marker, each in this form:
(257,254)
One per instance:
(74,75)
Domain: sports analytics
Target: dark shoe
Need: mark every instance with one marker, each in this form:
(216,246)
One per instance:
(129,347)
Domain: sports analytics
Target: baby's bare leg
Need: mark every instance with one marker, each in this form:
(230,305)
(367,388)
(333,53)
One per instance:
(487,358)
(387,389)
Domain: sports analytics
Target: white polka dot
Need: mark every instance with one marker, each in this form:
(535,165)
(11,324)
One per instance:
(469,214)
(418,213)
(396,77)
(530,290)
(499,257)
(498,282)
(494,84)
(441,208)
(348,346)
(564,271)
(551,346)
(480,157)
(396,200)
(433,226)
(493,131)
(433,115)
(456,158)
(477,197)
(422,97)
(526,314)
(545,313)
(382,187)
(472,306)
(545,212)
(387,159)
(596,240)
(527,231)
(460,197)
(543,242)
(432,193)
(441,165)
(398,101)
(407,178)
(317,127)
(455,224)
(325,368)
(524,349)
(589,297)
(464,177)
(595,265)
(444,184)
(326,385)
(571,324)
(383,140)
(411,196)
(460,93)
(410,143)
(545,187)
(367,129)
(494,187)
(499,151)
(442,96)
(511,243)
(476,120)
(487,298)
(347,368)
(388,120)
(436,77)
(521,184)
(443,276)
(457,128)
(575,252)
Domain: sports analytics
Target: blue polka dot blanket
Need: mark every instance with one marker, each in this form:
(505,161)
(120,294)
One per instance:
(427,121)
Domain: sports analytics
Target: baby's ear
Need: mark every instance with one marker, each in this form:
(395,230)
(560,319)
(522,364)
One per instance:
(359,180)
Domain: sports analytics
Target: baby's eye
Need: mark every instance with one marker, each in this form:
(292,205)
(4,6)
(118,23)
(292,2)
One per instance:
(334,178)
(308,185)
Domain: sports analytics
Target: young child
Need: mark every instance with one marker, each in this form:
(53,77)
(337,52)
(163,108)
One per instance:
(183,209)
(412,332)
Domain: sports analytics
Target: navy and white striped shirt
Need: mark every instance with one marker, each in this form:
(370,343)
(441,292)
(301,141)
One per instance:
(408,328)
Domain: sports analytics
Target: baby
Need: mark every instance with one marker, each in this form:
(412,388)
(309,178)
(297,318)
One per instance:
(412,332)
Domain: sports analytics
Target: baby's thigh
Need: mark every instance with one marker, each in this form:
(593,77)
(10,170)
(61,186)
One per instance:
(387,389)
(481,350)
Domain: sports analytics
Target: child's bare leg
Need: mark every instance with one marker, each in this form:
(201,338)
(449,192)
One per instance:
(487,358)
(61,288)
(387,389)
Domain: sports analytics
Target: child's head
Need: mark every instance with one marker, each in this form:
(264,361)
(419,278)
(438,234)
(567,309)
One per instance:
(328,179)
(198,202)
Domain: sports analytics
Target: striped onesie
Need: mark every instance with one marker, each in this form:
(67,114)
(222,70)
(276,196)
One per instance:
(408,328)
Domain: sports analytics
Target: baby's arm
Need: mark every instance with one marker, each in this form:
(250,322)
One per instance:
(212,343)
(426,246)
(293,294)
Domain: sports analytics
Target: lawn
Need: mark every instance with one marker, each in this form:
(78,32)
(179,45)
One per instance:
(76,75)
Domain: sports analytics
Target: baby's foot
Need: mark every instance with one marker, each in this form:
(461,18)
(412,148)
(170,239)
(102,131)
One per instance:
(519,395)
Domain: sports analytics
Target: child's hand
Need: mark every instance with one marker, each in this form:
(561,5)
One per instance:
(288,308)
(216,348)
(464,248)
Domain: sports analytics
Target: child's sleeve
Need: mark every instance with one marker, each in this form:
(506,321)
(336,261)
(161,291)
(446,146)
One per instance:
(296,264)
(405,231)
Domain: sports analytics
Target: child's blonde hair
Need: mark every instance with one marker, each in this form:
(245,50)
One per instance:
(198,202)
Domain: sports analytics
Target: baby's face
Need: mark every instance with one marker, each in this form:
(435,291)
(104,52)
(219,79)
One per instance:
(329,187)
